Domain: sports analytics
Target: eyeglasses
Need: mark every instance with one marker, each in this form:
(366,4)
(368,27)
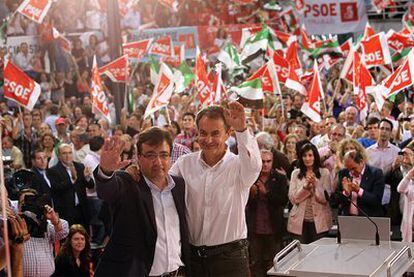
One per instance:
(153,156)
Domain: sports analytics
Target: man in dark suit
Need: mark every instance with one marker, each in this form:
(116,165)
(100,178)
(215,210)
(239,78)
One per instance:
(69,182)
(361,184)
(41,182)
(149,228)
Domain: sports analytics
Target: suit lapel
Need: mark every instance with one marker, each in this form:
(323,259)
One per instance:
(148,204)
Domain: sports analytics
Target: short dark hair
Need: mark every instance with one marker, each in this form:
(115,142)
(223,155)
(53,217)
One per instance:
(189,114)
(372,121)
(154,136)
(387,121)
(33,153)
(213,112)
(96,143)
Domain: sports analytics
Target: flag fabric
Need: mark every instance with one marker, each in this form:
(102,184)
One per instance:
(293,58)
(294,83)
(19,88)
(348,68)
(117,70)
(312,105)
(330,46)
(136,49)
(162,46)
(219,90)
(250,93)
(35,10)
(346,46)
(258,41)
(375,50)
(162,91)
(229,57)
(282,67)
(362,79)
(401,79)
(380,5)
(368,31)
(183,76)
(99,99)
(398,42)
(203,88)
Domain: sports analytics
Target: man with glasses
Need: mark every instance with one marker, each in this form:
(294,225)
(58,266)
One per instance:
(149,228)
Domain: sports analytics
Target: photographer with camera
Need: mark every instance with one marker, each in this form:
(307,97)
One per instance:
(45,228)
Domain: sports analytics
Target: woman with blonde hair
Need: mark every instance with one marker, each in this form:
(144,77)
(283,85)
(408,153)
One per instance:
(347,145)
(289,147)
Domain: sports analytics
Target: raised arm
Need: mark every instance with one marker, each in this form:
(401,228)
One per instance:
(249,153)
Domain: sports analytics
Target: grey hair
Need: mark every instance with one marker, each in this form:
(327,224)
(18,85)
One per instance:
(265,140)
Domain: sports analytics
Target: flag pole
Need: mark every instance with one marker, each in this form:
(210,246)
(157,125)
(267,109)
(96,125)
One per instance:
(4,212)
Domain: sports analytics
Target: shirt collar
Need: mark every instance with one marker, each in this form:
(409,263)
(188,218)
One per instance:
(388,145)
(203,163)
(169,187)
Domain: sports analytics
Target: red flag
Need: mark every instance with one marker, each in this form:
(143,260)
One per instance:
(348,69)
(368,32)
(35,10)
(281,66)
(362,79)
(136,49)
(292,57)
(346,46)
(117,70)
(402,78)
(162,46)
(312,105)
(398,42)
(375,50)
(19,88)
(202,84)
(99,99)
(162,91)
(294,83)
(380,5)
(307,43)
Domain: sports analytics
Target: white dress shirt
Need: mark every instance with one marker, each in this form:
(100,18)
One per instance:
(216,196)
(167,255)
(382,158)
(92,160)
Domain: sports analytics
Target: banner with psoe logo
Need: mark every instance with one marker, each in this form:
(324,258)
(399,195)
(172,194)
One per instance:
(334,16)
(19,88)
(35,10)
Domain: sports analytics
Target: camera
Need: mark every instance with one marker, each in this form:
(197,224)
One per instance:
(20,180)
(33,212)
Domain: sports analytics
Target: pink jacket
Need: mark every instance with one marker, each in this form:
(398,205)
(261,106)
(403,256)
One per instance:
(298,196)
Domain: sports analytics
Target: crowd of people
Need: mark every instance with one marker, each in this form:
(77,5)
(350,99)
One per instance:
(190,190)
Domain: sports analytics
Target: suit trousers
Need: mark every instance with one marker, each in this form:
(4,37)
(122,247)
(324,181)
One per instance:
(230,263)
(263,249)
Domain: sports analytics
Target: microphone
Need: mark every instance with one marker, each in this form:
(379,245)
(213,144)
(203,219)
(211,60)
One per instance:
(377,237)
(338,236)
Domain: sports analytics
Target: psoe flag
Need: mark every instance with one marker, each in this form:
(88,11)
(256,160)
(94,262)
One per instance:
(19,88)
(35,10)
(334,16)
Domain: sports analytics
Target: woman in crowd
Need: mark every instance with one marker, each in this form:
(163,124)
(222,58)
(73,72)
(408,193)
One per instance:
(310,217)
(48,143)
(345,146)
(289,147)
(73,259)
